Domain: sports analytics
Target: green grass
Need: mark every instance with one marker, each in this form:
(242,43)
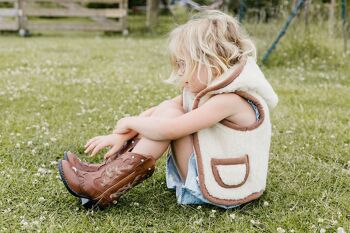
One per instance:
(58,91)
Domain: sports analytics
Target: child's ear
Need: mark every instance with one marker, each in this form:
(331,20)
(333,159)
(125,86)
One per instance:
(215,72)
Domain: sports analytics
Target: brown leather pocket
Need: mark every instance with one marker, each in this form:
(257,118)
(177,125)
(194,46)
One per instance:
(231,172)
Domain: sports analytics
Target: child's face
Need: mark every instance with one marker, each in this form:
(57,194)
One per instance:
(194,83)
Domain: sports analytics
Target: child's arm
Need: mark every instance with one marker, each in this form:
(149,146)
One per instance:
(133,133)
(116,140)
(145,113)
(148,112)
(157,128)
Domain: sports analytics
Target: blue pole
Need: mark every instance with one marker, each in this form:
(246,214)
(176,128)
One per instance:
(242,8)
(343,10)
(283,30)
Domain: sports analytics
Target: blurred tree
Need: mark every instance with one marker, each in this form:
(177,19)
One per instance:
(152,14)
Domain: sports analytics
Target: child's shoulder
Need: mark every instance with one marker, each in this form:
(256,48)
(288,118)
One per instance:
(242,112)
(228,99)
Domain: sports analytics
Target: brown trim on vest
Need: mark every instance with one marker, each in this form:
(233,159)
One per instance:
(203,188)
(230,161)
(256,124)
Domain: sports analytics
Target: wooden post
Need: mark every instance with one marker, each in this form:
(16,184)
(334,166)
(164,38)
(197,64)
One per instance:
(124,5)
(16,6)
(152,14)
(22,19)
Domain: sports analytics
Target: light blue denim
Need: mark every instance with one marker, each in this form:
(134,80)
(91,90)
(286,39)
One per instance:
(190,192)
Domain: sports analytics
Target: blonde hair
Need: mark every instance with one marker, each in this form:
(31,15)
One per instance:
(211,38)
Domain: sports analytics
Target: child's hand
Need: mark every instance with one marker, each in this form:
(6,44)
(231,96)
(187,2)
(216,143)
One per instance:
(97,143)
(122,126)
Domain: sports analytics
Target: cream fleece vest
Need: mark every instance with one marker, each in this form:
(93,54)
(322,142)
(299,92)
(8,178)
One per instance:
(232,161)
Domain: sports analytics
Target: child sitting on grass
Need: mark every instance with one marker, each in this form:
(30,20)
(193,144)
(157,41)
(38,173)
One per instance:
(218,130)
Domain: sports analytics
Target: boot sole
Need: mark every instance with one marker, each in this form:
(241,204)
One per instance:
(85,201)
(66,183)
(65,156)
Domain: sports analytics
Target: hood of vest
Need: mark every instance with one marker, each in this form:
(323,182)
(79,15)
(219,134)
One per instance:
(243,76)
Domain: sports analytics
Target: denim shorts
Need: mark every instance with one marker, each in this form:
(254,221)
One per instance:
(190,192)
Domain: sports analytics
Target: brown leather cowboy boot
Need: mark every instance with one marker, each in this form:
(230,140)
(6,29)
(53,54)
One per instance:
(91,167)
(105,186)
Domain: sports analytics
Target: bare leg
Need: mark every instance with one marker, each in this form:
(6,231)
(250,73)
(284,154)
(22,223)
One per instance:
(181,148)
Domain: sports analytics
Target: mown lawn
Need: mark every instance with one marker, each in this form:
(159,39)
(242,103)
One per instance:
(58,91)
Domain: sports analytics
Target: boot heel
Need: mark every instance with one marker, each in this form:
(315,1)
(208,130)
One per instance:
(87,203)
